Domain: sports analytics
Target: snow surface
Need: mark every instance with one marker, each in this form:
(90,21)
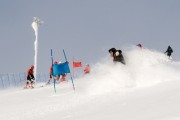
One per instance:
(146,88)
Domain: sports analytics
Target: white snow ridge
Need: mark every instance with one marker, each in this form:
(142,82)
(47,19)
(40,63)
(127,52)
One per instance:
(146,88)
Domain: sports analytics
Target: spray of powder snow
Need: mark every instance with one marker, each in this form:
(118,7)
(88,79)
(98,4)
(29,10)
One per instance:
(143,68)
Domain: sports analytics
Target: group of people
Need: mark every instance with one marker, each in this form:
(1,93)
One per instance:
(118,56)
(59,78)
(115,54)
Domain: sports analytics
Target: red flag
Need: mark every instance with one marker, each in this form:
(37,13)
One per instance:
(77,64)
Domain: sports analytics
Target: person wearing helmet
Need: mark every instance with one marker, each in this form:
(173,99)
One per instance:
(30,77)
(117,55)
(87,69)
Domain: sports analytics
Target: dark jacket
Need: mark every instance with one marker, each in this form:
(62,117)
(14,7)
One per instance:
(117,55)
(169,51)
(30,74)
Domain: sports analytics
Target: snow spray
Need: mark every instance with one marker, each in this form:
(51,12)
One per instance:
(35,24)
(144,68)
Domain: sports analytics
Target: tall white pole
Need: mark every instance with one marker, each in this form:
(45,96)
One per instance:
(35,24)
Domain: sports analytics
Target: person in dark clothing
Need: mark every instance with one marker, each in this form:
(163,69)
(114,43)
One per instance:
(30,77)
(169,51)
(117,55)
(112,51)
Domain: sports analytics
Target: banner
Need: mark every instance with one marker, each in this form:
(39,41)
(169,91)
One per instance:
(77,64)
(61,68)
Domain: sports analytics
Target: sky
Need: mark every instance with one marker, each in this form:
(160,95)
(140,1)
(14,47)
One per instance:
(86,29)
(150,91)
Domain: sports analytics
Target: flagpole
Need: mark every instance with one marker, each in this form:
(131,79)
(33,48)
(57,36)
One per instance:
(73,66)
(52,73)
(82,66)
(69,70)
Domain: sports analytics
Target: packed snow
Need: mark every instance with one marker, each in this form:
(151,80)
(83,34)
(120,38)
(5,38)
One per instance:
(146,88)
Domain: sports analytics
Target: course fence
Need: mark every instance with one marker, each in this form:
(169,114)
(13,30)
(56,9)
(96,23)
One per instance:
(19,79)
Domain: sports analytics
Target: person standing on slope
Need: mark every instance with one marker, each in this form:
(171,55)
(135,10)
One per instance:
(30,77)
(169,51)
(87,69)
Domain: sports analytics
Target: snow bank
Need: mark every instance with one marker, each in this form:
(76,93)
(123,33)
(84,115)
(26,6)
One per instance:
(143,68)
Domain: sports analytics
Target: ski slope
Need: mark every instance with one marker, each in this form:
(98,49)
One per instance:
(147,88)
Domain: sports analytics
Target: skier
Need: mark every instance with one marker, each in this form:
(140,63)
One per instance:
(117,55)
(87,69)
(169,51)
(30,77)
